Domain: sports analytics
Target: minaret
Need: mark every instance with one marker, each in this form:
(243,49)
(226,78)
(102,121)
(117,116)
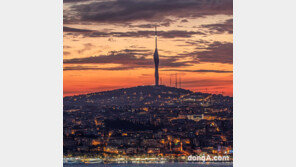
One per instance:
(156,60)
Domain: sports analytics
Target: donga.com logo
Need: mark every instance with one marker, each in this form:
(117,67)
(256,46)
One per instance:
(208,158)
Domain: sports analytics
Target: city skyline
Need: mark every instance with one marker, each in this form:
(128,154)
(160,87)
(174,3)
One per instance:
(108,45)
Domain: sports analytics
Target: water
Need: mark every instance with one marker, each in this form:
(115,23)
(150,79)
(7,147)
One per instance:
(154,165)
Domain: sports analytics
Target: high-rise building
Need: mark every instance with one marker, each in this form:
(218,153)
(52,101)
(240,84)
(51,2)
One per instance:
(156,60)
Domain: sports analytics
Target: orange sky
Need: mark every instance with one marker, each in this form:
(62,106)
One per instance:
(105,54)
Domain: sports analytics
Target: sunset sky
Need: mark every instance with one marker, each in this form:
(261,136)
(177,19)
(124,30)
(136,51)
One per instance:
(109,44)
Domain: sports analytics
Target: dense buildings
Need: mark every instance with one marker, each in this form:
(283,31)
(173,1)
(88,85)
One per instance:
(147,120)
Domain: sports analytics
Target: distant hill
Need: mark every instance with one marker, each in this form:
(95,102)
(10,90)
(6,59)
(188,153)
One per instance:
(139,96)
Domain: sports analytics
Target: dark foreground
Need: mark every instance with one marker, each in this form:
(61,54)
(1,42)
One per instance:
(147,121)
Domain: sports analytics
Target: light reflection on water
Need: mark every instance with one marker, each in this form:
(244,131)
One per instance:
(154,165)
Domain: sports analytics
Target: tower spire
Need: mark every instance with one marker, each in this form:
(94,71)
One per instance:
(155,37)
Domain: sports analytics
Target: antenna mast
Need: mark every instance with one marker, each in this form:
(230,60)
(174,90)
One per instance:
(180,81)
(155,37)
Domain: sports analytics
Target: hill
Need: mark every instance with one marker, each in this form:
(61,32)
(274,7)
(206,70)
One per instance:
(145,96)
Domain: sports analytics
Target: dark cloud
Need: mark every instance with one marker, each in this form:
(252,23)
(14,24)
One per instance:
(86,46)
(123,11)
(216,52)
(74,1)
(66,53)
(199,71)
(66,46)
(184,21)
(126,59)
(164,23)
(227,26)
(163,34)
(79,68)
(206,83)
(69,29)
(143,26)
(176,34)
(197,42)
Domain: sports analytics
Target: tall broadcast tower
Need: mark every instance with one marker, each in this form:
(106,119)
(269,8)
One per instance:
(156,59)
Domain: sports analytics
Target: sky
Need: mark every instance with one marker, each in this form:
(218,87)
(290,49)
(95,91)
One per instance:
(109,44)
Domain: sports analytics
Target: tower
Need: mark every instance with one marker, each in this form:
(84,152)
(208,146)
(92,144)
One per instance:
(180,82)
(156,60)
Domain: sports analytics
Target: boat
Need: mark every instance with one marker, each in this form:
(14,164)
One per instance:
(92,160)
(72,160)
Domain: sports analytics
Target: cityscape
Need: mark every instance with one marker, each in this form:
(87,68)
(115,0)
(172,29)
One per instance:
(147,121)
(113,114)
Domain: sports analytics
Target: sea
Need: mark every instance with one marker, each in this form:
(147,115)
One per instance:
(154,165)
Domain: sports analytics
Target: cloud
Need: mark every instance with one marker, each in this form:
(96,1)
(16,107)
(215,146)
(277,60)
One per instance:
(69,29)
(66,47)
(227,26)
(74,1)
(124,11)
(87,46)
(197,42)
(206,83)
(66,53)
(163,34)
(184,21)
(199,71)
(125,59)
(165,23)
(143,26)
(83,68)
(216,52)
